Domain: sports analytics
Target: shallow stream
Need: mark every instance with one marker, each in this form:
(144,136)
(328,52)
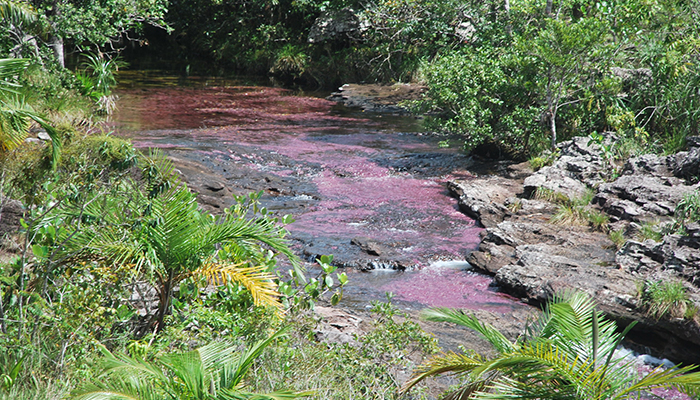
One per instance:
(347,177)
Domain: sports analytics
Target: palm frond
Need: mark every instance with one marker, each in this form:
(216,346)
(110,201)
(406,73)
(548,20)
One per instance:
(188,370)
(278,395)
(452,363)
(10,69)
(678,378)
(256,280)
(496,338)
(17,12)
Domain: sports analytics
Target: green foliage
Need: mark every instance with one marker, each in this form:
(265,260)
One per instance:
(16,115)
(688,209)
(618,238)
(366,368)
(154,231)
(550,76)
(97,79)
(569,352)
(544,159)
(298,293)
(214,371)
(667,298)
(650,230)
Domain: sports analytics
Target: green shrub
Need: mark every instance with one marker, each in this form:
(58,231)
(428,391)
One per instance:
(688,209)
(666,298)
(366,369)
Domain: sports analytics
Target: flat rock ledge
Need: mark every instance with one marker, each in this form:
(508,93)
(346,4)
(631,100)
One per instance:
(378,98)
(533,258)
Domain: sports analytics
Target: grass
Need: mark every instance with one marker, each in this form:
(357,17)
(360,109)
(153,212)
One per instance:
(618,238)
(364,370)
(666,298)
(542,193)
(544,159)
(688,209)
(575,211)
(650,230)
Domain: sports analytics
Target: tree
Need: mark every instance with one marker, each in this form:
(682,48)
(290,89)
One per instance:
(570,59)
(568,353)
(98,23)
(155,230)
(213,372)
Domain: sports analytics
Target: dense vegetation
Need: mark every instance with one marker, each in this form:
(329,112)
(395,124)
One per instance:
(118,285)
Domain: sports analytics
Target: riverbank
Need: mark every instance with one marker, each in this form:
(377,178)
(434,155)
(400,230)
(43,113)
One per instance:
(534,249)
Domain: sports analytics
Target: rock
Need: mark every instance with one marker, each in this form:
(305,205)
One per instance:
(378,98)
(11,211)
(335,25)
(647,164)
(483,199)
(337,326)
(641,197)
(533,259)
(369,246)
(556,180)
(42,135)
(678,254)
(686,165)
(214,186)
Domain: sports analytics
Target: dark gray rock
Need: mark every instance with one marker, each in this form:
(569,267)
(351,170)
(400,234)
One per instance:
(483,199)
(579,167)
(369,246)
(335,25)
(647,164)
(11,211)
(686,165)
(641,197)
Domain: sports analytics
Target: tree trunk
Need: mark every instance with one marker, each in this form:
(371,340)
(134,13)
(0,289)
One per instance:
(548,8)
(56,43)
(553,127)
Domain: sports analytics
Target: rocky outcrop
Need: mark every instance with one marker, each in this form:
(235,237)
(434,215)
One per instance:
(378,98)
(580,166)
(533,258)
(334,25)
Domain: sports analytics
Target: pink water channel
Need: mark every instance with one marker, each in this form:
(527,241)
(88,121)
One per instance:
(351,174)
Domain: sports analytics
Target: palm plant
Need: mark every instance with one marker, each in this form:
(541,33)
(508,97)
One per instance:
(213,372)
(16,115)
(155,230)
(568,353)
(17,12)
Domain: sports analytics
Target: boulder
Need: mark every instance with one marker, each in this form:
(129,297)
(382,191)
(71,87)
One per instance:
(335,25)
(641,197)
(11,211)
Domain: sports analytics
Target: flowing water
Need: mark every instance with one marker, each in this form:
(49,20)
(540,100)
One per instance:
(347,177)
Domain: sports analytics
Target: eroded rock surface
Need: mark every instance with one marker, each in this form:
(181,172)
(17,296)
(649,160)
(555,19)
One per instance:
(533,258)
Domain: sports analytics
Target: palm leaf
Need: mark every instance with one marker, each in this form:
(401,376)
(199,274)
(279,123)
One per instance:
(256,280)
(10,69)
(452,363)
(496,338)
(17,12)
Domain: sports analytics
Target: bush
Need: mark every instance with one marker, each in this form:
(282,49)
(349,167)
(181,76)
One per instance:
(666,299)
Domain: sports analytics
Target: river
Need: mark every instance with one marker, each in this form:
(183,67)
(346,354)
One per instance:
(367,188)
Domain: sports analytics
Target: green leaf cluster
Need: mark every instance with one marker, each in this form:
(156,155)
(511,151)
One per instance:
(567,353)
